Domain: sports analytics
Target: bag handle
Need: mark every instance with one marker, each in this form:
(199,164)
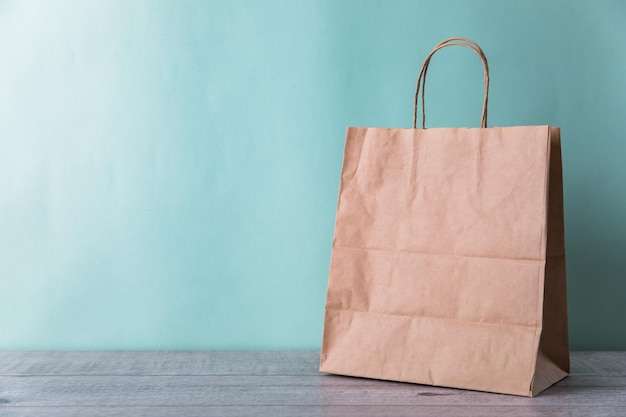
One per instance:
(468,43)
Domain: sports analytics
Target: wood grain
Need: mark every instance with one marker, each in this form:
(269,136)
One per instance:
(273,384)
(350,411)
(160,363)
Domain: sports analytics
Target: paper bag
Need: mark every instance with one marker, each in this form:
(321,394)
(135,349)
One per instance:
(448,259)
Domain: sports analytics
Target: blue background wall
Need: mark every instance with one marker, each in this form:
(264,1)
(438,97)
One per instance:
(169,169)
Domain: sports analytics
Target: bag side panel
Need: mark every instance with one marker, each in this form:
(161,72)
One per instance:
(554,344)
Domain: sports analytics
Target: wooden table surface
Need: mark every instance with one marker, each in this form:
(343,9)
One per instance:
(163,383)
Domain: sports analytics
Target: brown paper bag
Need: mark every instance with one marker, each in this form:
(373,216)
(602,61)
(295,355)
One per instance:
(448,260)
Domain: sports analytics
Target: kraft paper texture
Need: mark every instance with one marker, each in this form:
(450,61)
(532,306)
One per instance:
(448,260)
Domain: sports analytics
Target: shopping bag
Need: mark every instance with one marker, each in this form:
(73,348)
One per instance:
(448,258)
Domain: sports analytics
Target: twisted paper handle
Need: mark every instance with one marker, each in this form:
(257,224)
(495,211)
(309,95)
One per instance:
(422,76)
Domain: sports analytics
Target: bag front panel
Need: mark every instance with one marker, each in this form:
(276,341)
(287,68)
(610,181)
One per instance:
(439,257)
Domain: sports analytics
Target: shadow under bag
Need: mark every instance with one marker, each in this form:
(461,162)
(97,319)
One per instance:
(448,259)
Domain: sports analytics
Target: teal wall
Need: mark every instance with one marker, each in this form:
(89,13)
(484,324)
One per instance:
(169,169)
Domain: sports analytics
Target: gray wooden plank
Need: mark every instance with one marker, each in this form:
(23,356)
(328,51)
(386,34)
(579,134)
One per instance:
(598,363)
(224,363)
(159,363)
(337,380)
(50,391)
(312,411)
